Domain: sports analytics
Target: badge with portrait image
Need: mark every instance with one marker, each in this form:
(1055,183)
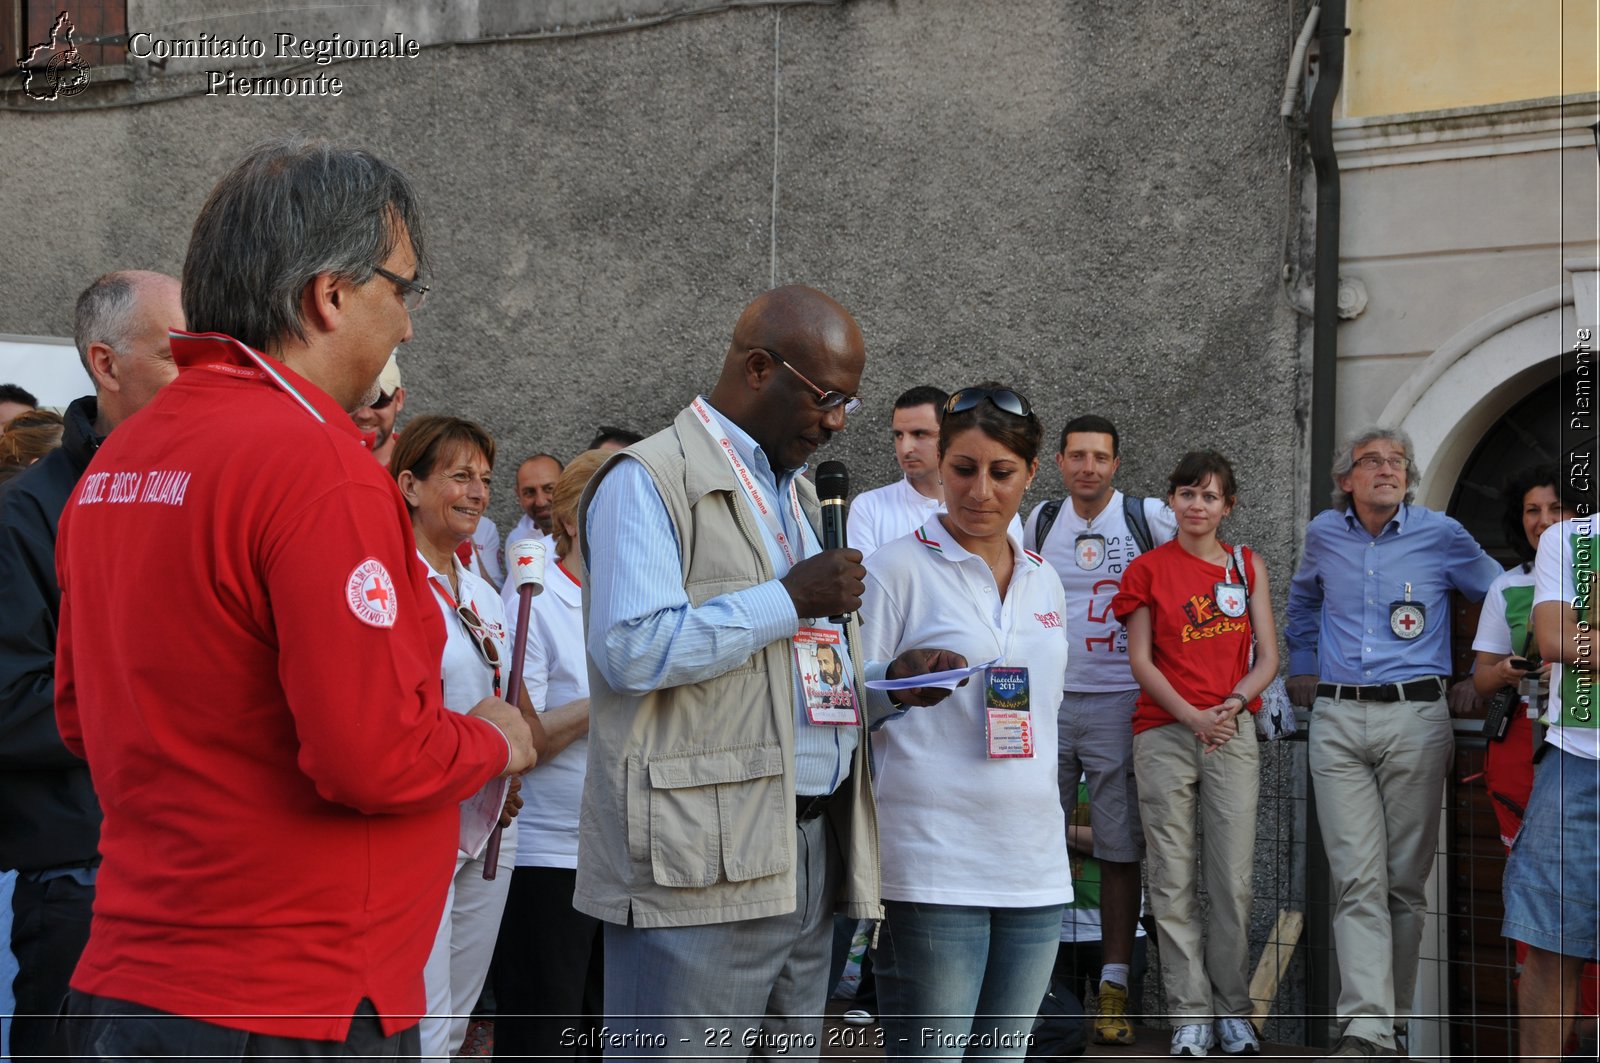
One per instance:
(1090,550)
(1008,726)
(1406,617)
(824,678)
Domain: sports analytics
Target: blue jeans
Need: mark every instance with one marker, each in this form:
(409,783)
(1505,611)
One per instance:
(8,962)
(957,981)
(1553,874)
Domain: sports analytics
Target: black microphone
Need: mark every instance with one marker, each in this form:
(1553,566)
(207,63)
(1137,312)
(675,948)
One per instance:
(833,484)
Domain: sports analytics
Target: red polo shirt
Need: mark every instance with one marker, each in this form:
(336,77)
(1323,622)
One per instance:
(249,661)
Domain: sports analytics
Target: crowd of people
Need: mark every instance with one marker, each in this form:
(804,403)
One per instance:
(295,759)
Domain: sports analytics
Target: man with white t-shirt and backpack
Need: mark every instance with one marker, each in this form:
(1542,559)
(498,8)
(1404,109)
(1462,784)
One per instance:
(1090,537)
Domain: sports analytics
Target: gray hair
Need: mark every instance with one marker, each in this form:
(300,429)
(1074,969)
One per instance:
(1345,461)
(291,209)
(105,314)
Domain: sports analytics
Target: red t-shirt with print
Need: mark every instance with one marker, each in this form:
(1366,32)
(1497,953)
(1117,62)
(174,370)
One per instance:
(1203,652)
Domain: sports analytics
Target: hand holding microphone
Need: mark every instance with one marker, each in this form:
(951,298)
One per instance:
(830,583)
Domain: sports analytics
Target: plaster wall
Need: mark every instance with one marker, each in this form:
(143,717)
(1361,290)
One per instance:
(1086,200)
(1440,242)
(1083,202)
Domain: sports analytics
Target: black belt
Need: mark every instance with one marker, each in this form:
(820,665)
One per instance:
(809,808)
(1417,690)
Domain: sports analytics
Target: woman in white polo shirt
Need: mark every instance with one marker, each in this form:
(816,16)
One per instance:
(443,466)
(547,967)
(975,869)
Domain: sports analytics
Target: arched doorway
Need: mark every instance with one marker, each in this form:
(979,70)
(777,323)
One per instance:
(1468,385)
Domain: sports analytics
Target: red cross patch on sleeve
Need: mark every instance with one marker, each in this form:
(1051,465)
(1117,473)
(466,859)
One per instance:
(370,594)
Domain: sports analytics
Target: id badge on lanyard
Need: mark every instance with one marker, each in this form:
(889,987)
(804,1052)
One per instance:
(1008,726)
(758,499)
(819,657)
(1230,593)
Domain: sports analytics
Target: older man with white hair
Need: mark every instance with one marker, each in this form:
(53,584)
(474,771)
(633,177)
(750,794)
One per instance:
(1369,646)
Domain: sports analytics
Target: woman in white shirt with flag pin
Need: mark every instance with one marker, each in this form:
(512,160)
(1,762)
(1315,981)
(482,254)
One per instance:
(443,466)
(975,869)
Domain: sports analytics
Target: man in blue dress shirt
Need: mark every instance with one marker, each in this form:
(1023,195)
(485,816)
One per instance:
(1369,645)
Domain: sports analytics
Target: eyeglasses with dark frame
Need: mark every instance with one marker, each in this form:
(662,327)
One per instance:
(415,294)
(825,400)
(383,400)
(1001,398)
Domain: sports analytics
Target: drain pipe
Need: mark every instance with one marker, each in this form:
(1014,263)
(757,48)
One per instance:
(1325,306)
(1324,356)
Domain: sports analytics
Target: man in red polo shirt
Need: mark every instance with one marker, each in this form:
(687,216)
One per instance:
(249,658)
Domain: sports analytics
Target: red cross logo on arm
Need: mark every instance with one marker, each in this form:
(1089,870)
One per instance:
(377,593)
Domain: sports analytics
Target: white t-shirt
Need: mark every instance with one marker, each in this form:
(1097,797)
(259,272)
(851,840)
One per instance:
(956,826)
(467,680)
(1091,575)
(554,672)
(1553,582)
(886,513)
(1494,633)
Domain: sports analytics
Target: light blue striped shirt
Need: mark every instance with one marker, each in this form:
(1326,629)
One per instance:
(643,633)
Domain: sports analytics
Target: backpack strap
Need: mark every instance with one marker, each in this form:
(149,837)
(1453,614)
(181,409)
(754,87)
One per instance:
(1133,514)
(1047,519)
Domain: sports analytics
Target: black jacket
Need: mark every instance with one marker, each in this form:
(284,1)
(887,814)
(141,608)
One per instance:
(49,816)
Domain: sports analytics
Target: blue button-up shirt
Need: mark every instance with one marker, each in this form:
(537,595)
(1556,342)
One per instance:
(1340,599)
(643,633)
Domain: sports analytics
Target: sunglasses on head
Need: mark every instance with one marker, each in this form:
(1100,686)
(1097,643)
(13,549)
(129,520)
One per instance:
(1001,398)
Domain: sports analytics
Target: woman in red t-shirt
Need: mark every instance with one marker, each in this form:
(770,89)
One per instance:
(1191,616)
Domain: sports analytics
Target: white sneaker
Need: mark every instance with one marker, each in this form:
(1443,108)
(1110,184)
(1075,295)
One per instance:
(1192,1039)
(1237,1037)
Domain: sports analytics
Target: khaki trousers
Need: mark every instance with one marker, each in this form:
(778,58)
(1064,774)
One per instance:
(1177,779)
(1378,771)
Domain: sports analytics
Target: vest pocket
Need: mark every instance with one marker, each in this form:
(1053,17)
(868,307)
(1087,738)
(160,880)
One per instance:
(718,814)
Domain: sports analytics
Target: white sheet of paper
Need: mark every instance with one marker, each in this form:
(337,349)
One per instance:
(479,814)
(948,680)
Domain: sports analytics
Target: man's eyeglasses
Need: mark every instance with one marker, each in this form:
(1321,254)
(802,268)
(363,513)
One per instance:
(826,400)
(1374,462)
(1001,398)
(415,294)
(384,399)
